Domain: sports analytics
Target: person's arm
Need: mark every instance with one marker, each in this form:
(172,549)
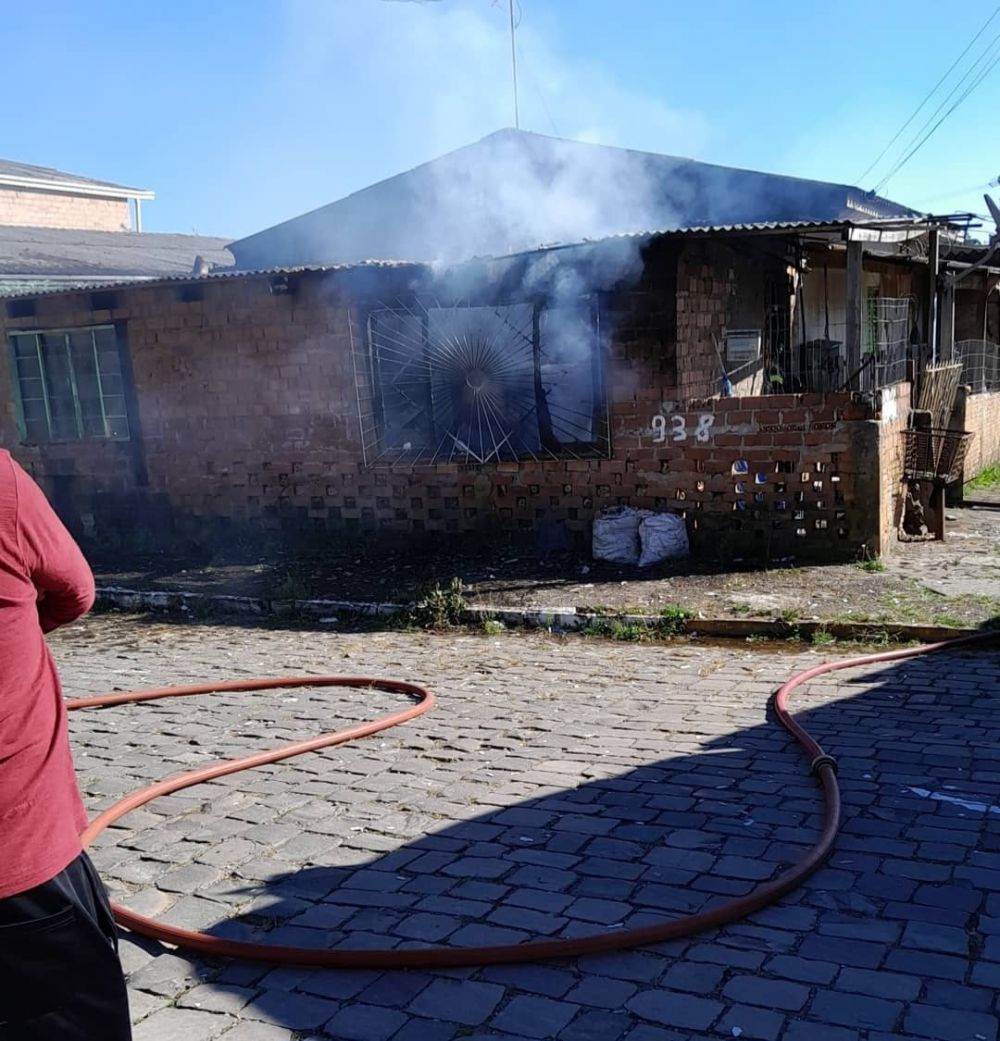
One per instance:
(53,560)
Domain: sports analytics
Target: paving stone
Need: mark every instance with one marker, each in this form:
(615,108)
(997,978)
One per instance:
(532,1016)
(590,1025)
(427,1030)
(429,927)
(799,1030)
(536,979)
(212,997)
(171,1023)
(843,952)
(249,1030)
(602,992)
(930,937)
(623,965)
(395,989)
(944,1024)
(858,1011)
(920,963)
(755,990)
(360,1022)
(693,977)
(879,984)
(956,996)
(675,1009)
(458,1001)
(291,1010)
(747,1021)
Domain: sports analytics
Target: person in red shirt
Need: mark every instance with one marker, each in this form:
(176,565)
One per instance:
(60,977)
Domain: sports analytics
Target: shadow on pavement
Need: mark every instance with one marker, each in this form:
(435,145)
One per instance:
(597,849)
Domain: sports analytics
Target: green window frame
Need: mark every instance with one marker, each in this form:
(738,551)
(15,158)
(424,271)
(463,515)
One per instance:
(69,384)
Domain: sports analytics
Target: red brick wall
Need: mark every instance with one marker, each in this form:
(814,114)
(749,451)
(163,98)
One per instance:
(247,419)
(982,417)
(25,208)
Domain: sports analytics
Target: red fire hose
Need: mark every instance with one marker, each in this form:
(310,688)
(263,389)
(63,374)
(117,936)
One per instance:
(822,767)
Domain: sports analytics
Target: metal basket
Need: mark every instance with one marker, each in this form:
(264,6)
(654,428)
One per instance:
(935,455)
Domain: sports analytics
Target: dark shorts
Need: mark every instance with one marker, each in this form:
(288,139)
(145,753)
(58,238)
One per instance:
(60,978)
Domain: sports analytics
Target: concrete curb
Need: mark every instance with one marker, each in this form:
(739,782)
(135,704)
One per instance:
(563,619)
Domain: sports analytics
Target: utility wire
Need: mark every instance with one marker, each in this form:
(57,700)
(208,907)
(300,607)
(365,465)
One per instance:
(930,94)
(920,144)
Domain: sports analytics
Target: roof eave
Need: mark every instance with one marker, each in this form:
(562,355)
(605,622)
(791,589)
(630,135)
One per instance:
(104,191)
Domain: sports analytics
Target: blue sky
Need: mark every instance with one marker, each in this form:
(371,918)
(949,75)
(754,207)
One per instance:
(240,113)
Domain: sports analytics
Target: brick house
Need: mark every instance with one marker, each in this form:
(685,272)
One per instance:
(518,393)
(59,230)
(38,197)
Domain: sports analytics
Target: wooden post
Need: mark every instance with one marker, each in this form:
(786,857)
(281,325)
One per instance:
(933,268)
(947,320)
(855,312)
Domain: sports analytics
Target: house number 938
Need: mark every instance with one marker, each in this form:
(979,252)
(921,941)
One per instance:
(679,429)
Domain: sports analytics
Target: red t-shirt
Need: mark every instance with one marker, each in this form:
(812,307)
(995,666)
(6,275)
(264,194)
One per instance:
(44,583)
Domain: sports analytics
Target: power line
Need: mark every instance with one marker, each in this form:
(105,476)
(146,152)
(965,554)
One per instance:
(930,94)
(920,144)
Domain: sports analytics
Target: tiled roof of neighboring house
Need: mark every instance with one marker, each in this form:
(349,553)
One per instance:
(23,175)
(57,257)
(515,191)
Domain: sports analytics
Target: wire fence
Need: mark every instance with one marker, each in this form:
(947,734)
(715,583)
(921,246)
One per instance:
(980,364)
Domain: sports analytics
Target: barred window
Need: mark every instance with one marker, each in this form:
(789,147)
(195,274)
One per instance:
(69,384)
(478,384)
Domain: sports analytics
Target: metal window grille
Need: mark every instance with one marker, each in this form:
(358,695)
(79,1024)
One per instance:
(887,342)
(478,384)
(980,364)
(69,384)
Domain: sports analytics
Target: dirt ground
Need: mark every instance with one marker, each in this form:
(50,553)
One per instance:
(956,582)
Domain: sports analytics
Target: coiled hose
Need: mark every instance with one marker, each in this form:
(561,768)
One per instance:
(822,767)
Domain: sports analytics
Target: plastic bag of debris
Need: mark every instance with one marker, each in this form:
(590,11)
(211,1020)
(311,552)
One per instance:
(662,536)
(616,534)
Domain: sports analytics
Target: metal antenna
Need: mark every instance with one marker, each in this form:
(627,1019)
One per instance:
(513,63)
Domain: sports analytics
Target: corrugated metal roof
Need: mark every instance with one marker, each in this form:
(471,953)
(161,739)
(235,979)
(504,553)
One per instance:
(225,275)
(508,193)
(761,227)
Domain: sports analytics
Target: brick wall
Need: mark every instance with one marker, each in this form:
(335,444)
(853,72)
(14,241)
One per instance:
(982,417)
(893,420)
(246,419)
(25,208)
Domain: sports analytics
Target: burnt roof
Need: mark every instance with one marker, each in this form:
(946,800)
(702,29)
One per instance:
(515,191)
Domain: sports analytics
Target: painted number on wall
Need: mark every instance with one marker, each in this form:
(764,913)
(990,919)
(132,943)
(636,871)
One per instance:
(679,430)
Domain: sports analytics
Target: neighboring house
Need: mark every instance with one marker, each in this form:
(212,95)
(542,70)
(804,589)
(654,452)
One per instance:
(37,259)
(516,190)
(59,230)
(37,197)
(523,393)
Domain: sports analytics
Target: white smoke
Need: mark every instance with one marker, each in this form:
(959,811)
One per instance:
(430,78)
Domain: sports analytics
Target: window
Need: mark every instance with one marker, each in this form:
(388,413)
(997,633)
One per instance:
(477,384)
(69,384)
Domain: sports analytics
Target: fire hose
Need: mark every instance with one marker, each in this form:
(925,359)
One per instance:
(822,767)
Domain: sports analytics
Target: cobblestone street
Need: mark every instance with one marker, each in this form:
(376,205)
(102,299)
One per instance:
(560,787)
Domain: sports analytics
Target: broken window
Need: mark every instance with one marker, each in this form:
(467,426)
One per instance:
(69,384)
(479,384)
